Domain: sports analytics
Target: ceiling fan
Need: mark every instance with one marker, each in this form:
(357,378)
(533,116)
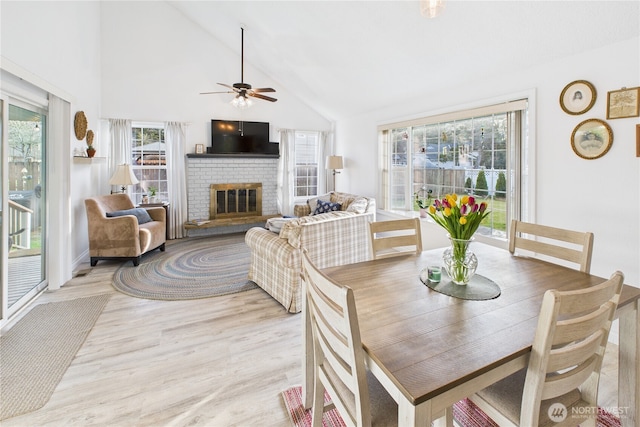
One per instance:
(243,90)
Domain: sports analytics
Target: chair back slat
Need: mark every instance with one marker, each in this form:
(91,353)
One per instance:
(562,384)
(568,245)
(574,302)
(395,238)
(574,354)
(572,330)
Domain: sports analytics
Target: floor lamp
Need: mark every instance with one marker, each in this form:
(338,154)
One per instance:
(335,163)
(123,176)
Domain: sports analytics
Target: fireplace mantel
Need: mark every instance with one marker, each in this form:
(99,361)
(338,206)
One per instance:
(233,156)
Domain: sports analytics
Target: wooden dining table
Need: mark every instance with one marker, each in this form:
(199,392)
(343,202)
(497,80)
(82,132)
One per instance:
(430,350)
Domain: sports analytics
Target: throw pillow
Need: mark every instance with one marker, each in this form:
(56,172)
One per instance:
(313,202)
(343,198)
(141,214)
(324,207)
(275,224)
(359,205)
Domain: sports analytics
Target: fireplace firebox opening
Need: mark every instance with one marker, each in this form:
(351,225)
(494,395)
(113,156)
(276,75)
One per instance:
(235,200)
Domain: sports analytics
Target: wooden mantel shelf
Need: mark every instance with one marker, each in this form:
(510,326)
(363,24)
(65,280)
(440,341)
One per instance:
(230,221)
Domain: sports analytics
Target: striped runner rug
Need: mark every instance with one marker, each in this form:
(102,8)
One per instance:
(190,268)
(36,352)
(465,412)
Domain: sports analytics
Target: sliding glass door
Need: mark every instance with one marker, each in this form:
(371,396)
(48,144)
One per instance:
(3,208)
(24,214)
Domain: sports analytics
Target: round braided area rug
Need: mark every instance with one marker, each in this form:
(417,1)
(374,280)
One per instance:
(189,269)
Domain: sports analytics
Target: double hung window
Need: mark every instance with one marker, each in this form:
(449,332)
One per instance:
(306,164)
(148,161)
(478,152)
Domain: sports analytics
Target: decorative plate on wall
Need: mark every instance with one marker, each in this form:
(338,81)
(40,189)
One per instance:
(80,125)
(591,139)
(578,97)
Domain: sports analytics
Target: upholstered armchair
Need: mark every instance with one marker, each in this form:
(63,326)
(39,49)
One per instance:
(118,230)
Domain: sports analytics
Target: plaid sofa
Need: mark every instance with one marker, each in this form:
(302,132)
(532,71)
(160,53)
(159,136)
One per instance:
(331,239)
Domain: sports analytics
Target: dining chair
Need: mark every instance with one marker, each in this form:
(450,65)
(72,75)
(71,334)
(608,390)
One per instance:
(395,237)
(339,359)
(546,240)
(560,385)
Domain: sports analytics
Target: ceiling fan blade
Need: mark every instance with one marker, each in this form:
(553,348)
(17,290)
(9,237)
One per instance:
(208,93)
(266,98)
(264,89)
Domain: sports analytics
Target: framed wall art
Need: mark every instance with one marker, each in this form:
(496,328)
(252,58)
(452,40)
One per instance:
(637,140)
(591,139)
(623,103)
(577,97)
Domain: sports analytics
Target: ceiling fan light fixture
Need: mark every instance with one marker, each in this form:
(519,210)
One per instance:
(241,102)
(431,8)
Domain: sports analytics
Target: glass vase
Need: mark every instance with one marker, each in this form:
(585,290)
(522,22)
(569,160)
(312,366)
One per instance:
(459,261)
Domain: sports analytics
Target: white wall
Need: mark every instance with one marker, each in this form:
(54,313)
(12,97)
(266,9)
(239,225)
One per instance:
(156,63)
(602,195)
(59,43)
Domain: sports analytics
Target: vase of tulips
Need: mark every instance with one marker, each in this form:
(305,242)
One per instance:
(461,217)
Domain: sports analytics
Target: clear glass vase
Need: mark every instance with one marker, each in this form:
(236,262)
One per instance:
(459,262)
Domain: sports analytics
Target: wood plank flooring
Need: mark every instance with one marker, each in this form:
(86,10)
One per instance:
(215,362)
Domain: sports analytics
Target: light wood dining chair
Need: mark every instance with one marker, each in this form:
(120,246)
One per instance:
(339,360)
(395,237)
(564,366)
(545,240)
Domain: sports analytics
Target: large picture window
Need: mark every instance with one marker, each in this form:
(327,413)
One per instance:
(148,160)
(476,152)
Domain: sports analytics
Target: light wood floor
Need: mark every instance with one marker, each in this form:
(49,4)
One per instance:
(210,362)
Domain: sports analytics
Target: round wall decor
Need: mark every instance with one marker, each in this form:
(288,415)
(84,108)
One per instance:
(578,97)
(80,125)
(591,139)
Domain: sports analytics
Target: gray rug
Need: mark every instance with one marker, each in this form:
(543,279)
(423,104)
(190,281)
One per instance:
(36,352)
(189,269)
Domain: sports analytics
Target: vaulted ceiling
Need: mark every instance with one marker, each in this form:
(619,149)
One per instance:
(350,57)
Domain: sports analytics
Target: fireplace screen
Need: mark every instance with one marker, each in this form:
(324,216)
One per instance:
(235,200)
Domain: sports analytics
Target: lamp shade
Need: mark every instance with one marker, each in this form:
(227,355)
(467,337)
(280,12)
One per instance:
(334,162)
(123,176)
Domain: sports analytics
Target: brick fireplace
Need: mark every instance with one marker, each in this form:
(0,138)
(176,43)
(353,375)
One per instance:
(203,171)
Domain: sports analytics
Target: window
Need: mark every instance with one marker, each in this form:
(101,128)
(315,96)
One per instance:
(475,152)
(306,164)
(148,160)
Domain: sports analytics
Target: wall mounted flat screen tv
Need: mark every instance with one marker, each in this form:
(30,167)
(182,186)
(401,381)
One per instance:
(230,137)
